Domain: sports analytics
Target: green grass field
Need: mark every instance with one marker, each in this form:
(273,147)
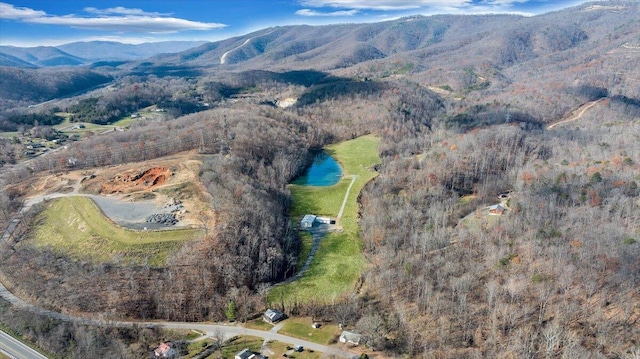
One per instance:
(339,260)
(258,324)
(77,227)
(307,243)
(301,328)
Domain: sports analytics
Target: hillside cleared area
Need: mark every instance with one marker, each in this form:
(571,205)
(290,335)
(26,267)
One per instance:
(339,260)
(75,226)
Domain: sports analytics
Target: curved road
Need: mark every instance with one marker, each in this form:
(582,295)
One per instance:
(210,329)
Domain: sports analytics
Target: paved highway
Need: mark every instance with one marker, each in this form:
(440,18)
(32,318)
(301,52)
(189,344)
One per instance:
(16,349)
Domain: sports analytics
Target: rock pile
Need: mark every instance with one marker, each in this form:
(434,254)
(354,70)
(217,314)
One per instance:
(168,219)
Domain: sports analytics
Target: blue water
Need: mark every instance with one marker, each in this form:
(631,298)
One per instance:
(324,171)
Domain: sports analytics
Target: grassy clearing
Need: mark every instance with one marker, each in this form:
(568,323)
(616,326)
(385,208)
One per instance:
(258,324)
(196,348)
(301,328)
(305,250)
(339,260)
(9,135)
(77,227)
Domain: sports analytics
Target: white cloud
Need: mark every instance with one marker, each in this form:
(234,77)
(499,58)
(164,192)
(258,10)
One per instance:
(8,11)
(127,23)
(309,12)
(385,4)
(118,19)
(119,10)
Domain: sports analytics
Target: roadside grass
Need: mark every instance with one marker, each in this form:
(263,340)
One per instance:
(2,356)
(301,328)
(339,261)
(258,324)
(76,226)
(195,348)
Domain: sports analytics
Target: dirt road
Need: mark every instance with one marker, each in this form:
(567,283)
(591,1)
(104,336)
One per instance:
(573,117)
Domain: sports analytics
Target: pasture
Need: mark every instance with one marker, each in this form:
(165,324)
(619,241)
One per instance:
(76,226)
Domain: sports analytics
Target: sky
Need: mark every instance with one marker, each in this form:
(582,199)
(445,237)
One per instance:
(31,23)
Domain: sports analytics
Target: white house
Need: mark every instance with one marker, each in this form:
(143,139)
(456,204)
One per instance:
(307,221)
(245,354)
(273,316)
(350,338)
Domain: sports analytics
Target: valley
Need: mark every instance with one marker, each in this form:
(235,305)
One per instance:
(488,203)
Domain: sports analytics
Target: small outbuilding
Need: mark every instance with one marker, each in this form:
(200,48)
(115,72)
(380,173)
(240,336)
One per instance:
(350,338)
(497,210)
(245,354)
(272,316)
(307,221)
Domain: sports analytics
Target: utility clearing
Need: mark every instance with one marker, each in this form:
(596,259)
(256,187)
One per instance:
(339,261)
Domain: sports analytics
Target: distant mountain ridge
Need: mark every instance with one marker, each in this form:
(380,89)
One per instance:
(81,53)
(502,40)
(41,56)
(109,50)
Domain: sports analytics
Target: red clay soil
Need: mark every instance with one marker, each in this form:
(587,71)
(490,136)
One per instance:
(136,181)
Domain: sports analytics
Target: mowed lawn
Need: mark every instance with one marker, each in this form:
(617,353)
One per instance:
(301,328)
(339,261)
(76,226)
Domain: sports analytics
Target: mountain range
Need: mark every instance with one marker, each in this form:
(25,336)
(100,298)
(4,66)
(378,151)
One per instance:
(82,53)
(502,40)
(543,65)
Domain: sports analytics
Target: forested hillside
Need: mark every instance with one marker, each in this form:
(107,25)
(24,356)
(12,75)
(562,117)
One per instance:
(555,276)
(22,87)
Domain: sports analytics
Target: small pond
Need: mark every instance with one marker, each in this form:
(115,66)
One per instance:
(324,171)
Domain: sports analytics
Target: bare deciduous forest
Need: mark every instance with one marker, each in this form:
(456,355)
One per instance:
(555,275)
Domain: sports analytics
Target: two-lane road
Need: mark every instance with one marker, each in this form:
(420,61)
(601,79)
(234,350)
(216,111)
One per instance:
(16,349)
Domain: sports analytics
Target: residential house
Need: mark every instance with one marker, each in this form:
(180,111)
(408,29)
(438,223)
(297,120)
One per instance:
(273,316)
(497,210)
(350,338)
(165,350)
(245,354)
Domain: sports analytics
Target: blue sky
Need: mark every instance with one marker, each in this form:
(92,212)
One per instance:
(54,22)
